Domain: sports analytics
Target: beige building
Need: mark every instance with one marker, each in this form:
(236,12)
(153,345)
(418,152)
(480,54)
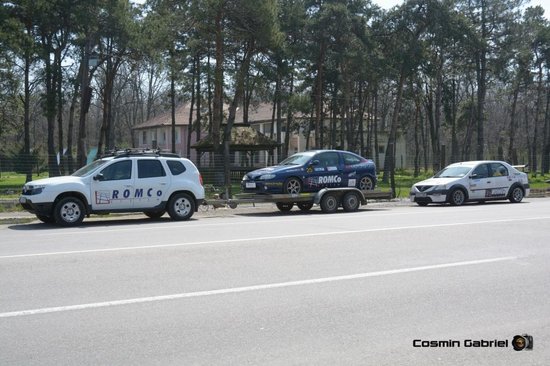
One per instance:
(157,132)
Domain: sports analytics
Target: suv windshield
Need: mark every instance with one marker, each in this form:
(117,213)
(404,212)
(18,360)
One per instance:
(85,170)
(297,159)
(453,172)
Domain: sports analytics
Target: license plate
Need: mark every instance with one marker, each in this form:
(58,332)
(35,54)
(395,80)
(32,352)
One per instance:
(250,185)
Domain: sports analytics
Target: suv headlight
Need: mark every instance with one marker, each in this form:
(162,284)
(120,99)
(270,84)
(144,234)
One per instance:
(267,176)
(245,177)
(440,187)
(31,190)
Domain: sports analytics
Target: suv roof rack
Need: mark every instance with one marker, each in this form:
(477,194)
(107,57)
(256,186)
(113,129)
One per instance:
(118,153)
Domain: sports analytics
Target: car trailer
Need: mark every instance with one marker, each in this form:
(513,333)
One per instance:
(329,199)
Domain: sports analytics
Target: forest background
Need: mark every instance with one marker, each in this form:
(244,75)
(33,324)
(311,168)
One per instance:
(460,79)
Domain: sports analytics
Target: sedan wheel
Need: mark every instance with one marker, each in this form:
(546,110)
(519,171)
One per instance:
(457,197)
(516,195)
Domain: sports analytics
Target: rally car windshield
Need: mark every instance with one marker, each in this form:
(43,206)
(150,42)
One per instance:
(453,172)
(297,159)
(85,170)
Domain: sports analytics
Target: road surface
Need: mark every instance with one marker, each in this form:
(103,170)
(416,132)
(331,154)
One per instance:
(375,287)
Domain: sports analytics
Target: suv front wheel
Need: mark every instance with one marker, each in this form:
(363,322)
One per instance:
(69,211)
(181,207)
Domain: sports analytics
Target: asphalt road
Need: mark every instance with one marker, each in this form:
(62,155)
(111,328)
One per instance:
(284,289)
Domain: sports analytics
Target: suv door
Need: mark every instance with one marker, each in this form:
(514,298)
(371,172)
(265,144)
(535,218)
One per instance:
(151,183)
(112,188)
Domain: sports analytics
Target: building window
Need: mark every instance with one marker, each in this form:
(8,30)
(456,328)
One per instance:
(144,138)
(381,149)
(177,136)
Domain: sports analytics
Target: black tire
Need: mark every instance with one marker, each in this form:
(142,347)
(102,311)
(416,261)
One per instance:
(181,207)
(292,185)
(155,215)
(69,211)
(351,202)
(516,194)
(46,219)
(329,203)
(457,197)
(305,206)
(284,206)
(366,183)
(422,203)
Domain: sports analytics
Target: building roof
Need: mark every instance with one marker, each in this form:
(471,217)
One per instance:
(260,113)
(243,138)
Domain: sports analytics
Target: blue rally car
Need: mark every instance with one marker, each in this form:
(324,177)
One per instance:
(311,171)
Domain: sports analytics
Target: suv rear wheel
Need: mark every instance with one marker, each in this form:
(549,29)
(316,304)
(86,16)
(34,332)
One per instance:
(181,207)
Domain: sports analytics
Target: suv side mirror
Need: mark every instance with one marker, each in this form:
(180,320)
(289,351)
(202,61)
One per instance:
(475,176)
(99,177)
(314,162)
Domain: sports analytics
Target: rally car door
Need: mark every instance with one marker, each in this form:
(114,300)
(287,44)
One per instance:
(354,168)
(113,187)
(325,170)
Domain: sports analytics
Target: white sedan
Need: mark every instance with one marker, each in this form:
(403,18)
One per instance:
(472,181)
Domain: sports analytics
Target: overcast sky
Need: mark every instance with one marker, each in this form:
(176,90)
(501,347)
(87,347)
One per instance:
(386,4)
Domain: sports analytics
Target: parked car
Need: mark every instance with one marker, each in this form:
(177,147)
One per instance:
(311,171)
(472,181)
(128,181)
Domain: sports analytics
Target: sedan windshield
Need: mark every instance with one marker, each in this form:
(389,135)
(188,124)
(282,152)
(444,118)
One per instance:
(297,159)
(453,172)
(85,170)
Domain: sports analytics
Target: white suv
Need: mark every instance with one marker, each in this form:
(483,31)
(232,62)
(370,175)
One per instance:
(128,181)
(472,181)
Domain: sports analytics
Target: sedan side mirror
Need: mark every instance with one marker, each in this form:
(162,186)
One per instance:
(99,177)
(314,162)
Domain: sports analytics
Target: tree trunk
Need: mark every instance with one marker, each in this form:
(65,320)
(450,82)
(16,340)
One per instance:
(318,97)
(481,84)
(512,153)
(26,118)
(85,100)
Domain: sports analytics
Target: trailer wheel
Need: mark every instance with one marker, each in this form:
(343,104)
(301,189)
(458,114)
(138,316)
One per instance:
(305,206)
(329,203)
(284,206)
(351,202)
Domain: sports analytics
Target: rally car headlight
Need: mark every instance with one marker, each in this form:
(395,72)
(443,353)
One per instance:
(267,176)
